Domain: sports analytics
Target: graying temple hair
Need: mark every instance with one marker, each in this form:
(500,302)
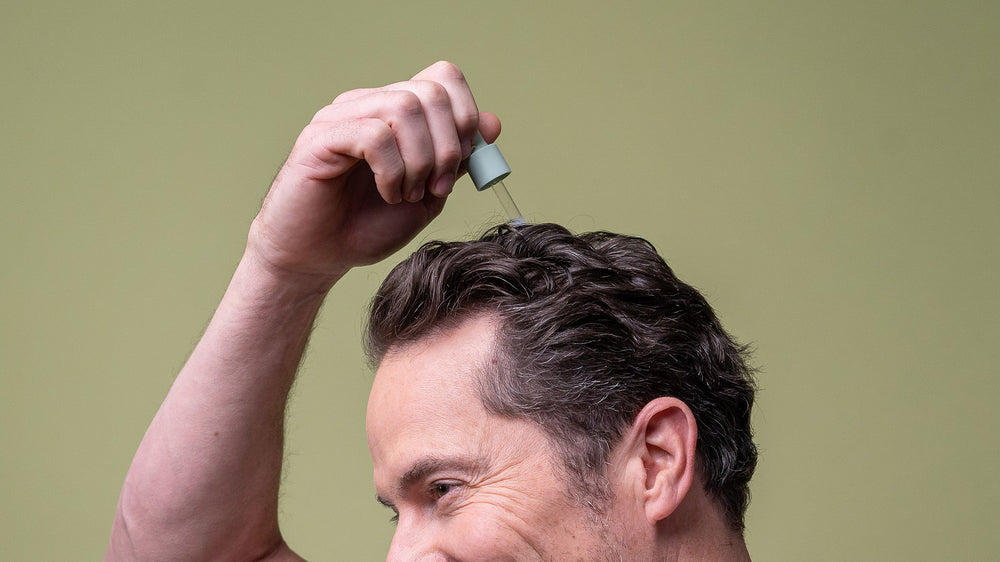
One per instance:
(592,327)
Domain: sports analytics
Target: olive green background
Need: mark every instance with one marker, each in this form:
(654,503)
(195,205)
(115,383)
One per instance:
(827,173)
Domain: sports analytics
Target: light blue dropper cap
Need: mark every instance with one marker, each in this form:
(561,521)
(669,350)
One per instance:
(486,165)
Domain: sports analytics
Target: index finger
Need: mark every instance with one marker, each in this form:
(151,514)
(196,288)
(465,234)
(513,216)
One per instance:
(463,104)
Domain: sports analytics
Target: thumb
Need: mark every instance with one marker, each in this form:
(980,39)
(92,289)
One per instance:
(489,126)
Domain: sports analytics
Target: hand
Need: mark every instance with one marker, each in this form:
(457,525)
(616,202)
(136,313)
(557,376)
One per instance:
(369,172)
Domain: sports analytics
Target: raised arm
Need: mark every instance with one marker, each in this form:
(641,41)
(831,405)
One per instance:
(370,171)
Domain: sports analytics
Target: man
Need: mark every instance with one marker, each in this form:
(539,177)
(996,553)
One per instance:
(539,395)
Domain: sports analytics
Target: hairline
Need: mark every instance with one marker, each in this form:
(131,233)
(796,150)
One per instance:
(593,493)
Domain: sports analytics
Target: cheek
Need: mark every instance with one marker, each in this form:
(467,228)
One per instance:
(489,536)
(489,533)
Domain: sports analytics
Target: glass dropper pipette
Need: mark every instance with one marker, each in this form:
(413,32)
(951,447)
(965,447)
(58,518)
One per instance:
(509,207)
(487,168)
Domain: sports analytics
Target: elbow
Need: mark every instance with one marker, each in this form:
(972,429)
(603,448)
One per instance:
(120,545)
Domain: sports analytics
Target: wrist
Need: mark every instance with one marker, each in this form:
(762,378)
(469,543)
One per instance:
(278,284)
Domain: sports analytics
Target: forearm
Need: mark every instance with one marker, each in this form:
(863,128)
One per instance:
(205,478)
(363,178)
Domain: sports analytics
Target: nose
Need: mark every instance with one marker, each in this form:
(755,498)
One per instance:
(409,544)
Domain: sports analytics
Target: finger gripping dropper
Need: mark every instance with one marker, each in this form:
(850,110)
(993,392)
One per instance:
(487,168)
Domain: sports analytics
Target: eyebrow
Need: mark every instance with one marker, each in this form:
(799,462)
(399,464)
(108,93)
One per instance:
(420,469)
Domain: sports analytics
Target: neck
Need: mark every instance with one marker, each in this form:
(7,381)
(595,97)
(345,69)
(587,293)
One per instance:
(697,530)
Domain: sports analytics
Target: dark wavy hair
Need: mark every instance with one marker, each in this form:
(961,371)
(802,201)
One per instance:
(592,327)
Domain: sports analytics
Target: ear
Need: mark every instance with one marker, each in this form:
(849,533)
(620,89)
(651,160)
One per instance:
(666,435)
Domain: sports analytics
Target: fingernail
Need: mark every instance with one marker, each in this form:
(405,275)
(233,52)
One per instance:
(443,185)
(416,194)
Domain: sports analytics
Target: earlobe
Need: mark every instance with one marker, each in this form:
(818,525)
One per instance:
(668,437)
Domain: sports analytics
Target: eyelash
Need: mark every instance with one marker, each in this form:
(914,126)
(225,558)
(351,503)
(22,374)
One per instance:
(435,491)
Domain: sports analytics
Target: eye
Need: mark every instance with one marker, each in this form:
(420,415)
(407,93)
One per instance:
(441,488)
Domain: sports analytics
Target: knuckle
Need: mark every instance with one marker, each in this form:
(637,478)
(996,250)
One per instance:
(311,130)
(320,114)
(381,134)
(370,127)
(467,123)
(376,132)
(391,176)
(434,93)
(408,103)
(312,134)
(419,169)
(350,94)
(449,156)
(448,70)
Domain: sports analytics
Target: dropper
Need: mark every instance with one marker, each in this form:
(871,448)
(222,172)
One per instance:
(487,168)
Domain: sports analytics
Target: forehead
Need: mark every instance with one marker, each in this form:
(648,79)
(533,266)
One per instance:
(441,369)
(427,391)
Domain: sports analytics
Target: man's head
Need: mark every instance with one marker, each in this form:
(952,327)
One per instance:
(585,337)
